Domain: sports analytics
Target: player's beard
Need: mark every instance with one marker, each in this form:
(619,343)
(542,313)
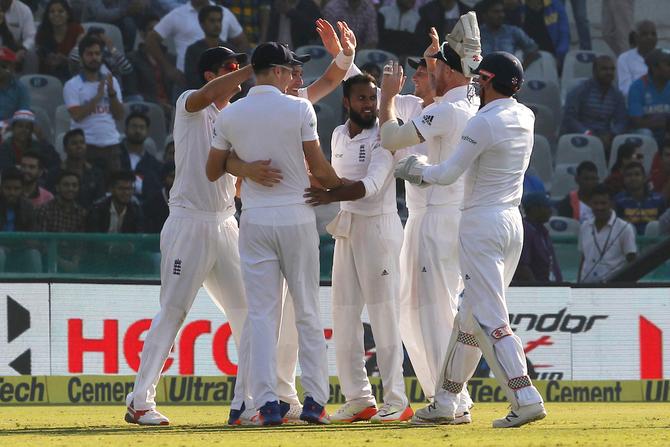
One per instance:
(364,123)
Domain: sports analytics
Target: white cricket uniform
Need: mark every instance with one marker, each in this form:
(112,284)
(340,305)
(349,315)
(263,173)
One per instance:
(368,237)
(495,149)
(199,247)
(431,280)
(277,236)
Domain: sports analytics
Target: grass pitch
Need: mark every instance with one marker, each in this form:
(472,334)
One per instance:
(582,424)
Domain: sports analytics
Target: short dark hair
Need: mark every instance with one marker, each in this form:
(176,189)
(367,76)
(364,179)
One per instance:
(36,155)
(586,166)
(626,150)
(66,173)
(363,78)
(207,10)
(139,115)
(70,134)
(601,189)
(121,176)
(11,173)
(484,6)
(88,41)
(634,165)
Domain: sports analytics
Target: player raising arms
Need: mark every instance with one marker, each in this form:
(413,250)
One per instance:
(199,239)
(495,150)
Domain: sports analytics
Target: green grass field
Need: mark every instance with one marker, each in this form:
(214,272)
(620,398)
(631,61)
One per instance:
(607,424)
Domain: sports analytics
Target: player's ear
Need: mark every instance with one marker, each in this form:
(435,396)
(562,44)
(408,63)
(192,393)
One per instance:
(346,103)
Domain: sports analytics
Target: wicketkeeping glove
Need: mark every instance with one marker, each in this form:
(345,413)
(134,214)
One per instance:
(465,40)
(411,169)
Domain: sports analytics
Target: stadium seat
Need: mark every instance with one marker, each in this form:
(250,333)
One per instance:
(648,147)
(541,161)
(575,148)
(318,63)
(652,229)
(543,68)
(379,57)
(568,85)
(45,91)
(327,121)
(578,64)
(61,120)
(112,31)
(562,226)
(545,121)
(536,91)
(58,145)
(157,130)
(563,180)
(43,122)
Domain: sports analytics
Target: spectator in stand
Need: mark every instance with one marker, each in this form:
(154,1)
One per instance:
(181,26)
(439,14)
(21,24)
(582,23)
(498,36)
(660,171)
(538,262)
(617,23)
(606,242)
(94,103)
(576,205)
(56,36)
(65,215)
(210,18)
(33,172)
(637,204)
(397,27)
(13,94)
(91,178)
(6,36)
(292,22)
(532,183)
(627,154)
(546,22)
(156,208)
(22,140)
(125,14)
(631,64)
(596,106)
(117,213)
(17,214)
(162,7)
(147,82)
(253,15)
(361,17)
(115,61)
(134,158)
(649,97)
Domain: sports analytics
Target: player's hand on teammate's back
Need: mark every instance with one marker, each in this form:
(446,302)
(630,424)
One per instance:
(317,196)
(263,173)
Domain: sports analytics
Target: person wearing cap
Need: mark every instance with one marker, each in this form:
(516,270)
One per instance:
(538,262)
(13,94)
(22,139)
(432,247)
(199,238)
(649,96)
(495,149)
(273,219)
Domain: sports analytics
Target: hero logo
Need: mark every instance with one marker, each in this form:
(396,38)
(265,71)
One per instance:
(108,346)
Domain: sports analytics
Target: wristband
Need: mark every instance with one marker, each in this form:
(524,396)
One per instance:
(343,61)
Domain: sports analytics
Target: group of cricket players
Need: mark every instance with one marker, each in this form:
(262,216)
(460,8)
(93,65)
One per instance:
(462,144)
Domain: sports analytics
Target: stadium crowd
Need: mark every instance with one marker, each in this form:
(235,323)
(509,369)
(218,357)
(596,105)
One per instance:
(87,91)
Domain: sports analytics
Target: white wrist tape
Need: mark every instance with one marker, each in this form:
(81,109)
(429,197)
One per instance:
(343,61)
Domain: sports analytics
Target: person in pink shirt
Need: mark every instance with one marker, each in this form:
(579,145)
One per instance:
(32,170)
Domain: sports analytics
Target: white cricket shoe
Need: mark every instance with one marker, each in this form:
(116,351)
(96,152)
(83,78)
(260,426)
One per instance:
(354,411)
(143,417)
(462,418)
(523,415)
(290,413)
(389,413)
(433,414)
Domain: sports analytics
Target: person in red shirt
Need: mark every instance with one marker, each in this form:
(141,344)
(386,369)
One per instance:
(56,36)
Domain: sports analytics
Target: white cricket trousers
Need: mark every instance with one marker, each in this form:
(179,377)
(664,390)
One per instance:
(430,282)
(366,273)
(197,249)
(275,242)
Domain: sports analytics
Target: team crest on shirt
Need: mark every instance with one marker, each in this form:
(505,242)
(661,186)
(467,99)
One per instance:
(176,269)
(361,153)
(427,120)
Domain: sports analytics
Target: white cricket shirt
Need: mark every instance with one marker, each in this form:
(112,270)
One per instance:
(268,124)
(363,158)
(181,24)
(630,66)
(99,127)
(192,137)
(605,251)
(495,150)
(441,125)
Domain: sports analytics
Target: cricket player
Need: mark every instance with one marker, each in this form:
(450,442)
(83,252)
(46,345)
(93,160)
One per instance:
(495,151)
(199,240)
(432,280)
(278,233)
(368,237)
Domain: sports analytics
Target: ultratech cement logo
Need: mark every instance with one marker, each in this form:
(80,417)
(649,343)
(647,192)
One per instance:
(22,390)
(18,322)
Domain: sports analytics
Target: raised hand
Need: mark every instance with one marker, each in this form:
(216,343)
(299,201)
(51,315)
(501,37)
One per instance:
(434,46)
(328,37)
(347,38)
(393,79)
